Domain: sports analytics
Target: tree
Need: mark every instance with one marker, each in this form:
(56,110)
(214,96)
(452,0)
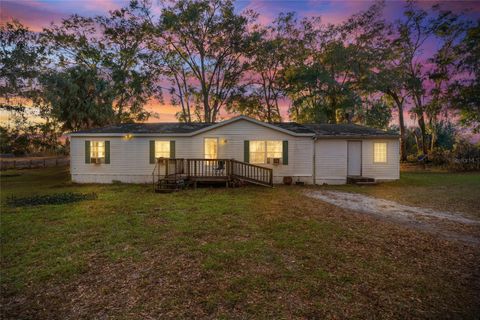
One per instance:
(271,51)
(450,30)
(78,98)
(209,40)
(414,31)
(114,49)
(21,60)
(465,92)
(378,114)
(385,75)
(325,84)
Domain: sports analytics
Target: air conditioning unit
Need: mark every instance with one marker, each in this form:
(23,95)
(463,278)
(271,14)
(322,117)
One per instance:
(96,160)
(274,161)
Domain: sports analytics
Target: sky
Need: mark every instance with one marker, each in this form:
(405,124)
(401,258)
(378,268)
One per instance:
(38,14)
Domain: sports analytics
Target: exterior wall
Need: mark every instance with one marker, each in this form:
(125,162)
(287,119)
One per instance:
(129,159)
(381,171)
(331,161)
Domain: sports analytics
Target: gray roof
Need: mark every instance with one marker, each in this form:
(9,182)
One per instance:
(319,130)
(162,127)
(347,130)
(293,126)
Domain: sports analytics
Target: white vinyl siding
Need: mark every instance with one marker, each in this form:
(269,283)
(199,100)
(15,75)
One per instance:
(380,152)
(130,158)
(331,161)
(388,170)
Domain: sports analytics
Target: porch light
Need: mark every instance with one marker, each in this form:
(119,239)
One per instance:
(128,136)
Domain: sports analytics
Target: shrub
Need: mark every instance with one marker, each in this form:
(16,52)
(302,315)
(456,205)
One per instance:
(57,198)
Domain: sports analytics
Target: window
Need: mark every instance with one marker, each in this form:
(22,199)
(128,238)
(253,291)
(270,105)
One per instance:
(162,149)
(211,148)
(261,150)
(257,152)
(274,149)
(380,152)
(97,149)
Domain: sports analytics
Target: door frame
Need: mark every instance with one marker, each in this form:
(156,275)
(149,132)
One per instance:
(212,138)
(361,155)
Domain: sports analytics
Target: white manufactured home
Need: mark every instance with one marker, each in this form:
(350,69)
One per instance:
(307,153)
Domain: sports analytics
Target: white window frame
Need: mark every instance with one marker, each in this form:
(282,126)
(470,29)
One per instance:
(162,154)
(375,151)
(97,149)
(265,151)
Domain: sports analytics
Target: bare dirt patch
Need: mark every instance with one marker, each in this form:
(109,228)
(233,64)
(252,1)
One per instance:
(446,224)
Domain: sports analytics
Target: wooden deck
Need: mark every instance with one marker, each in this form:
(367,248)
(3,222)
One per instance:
(175,174)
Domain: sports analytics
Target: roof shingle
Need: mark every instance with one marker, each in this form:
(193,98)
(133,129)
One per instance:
(319,130)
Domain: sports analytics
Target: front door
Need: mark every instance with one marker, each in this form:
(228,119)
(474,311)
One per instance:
(211,148)
(354,158)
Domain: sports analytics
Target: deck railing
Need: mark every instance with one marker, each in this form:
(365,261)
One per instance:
(211,170)
(208,168)
(252,173)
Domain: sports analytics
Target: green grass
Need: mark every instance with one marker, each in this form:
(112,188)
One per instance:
(456,192)
(224,253)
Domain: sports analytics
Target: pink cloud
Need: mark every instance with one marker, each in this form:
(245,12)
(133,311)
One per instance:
(32,14)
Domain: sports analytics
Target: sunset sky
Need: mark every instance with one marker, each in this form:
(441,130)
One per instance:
(40,13)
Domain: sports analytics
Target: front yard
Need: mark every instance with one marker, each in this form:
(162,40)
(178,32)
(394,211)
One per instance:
(232,253)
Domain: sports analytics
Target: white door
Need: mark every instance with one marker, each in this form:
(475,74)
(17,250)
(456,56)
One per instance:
(354,158)
(211,148)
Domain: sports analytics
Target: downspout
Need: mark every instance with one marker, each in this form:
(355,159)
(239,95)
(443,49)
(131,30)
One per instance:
(313,163)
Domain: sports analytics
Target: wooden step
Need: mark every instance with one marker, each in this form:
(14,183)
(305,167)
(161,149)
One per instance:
(360,180)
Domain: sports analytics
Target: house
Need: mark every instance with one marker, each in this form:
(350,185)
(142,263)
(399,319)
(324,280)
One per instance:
(309,153)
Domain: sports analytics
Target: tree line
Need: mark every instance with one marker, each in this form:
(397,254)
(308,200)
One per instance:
(210,59)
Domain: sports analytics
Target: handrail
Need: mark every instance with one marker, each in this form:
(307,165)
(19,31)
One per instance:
(215,169)
(252,173)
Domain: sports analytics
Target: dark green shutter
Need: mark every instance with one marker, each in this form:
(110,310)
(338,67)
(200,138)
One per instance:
(172,149)
(152,151)
(87,151)
(285,152)
(246,151)
(107,152)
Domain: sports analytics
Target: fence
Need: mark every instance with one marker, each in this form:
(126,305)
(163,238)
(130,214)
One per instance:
(31,163)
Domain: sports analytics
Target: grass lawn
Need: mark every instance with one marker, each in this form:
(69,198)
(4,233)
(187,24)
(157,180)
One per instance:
(230,253)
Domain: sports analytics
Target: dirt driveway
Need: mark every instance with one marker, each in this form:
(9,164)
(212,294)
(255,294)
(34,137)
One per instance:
(450,225)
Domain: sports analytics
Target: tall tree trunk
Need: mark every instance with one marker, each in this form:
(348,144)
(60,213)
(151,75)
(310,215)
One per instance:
(401,123)
(423,131)
(421,122)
